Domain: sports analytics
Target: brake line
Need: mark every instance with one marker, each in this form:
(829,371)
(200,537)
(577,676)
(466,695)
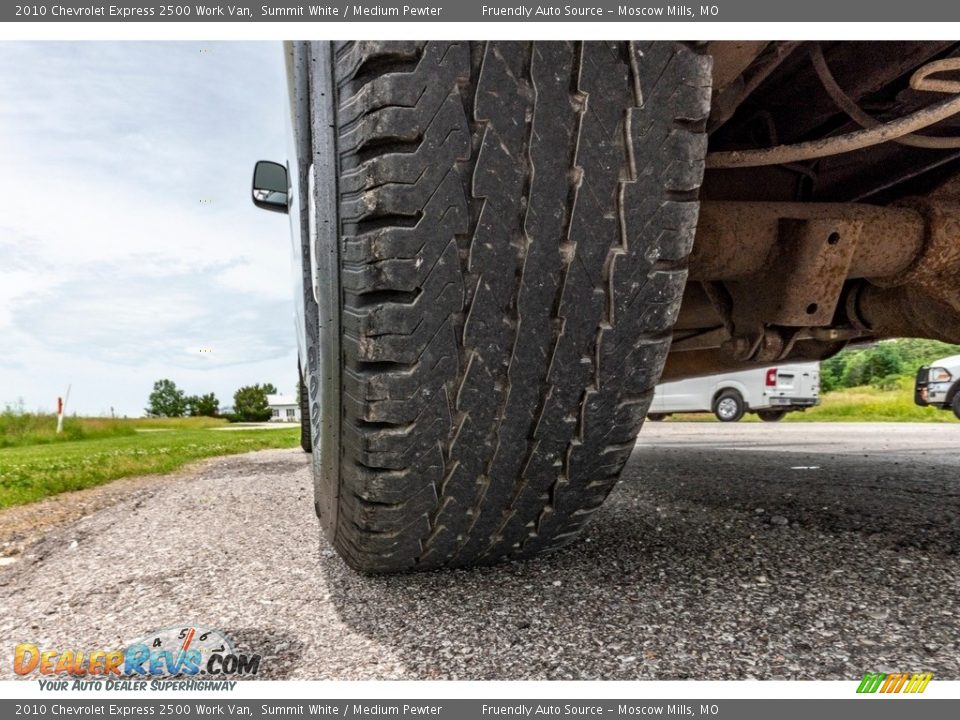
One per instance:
(845,103)
(859,139)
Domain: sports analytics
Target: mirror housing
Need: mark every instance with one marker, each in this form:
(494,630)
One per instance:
(271,186)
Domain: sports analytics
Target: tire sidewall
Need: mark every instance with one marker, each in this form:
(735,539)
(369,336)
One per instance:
(306,426)
(771,415)
(323,365)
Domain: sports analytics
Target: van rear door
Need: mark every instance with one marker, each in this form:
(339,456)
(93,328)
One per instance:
(795,382)
(787,381)
(809,383)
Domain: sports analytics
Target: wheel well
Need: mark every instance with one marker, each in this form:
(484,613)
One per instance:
(721,391)
(952,392)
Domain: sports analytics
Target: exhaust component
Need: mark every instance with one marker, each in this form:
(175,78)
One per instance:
(923,299)
(772,281)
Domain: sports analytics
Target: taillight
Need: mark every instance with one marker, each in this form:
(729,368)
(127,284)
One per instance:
(771,380)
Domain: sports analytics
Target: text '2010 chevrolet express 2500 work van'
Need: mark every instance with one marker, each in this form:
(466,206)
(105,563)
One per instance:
(501,249)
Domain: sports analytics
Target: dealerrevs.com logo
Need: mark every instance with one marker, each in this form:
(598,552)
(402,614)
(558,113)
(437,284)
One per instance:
(172,652)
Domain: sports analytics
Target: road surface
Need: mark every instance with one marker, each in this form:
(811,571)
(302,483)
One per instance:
(727,552)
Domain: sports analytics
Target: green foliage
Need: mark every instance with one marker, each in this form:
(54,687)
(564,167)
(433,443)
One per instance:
(881,362)
(250,402)
(891,382)
(166,400)
(881,365)
(853,375)
(203,405)
(831,373)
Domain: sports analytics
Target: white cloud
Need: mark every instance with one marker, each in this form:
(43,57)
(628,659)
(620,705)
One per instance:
(128,243)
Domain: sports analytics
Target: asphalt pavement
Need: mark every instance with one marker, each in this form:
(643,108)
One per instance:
(789,551)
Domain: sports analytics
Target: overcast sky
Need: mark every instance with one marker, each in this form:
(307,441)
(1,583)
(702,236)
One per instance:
(128,242)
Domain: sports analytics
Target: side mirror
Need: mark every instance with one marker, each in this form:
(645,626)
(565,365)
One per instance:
(270,186)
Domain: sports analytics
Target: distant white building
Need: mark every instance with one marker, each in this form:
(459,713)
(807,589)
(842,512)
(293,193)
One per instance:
(284,408)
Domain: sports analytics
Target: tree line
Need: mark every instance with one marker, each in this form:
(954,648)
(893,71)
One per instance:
(883,365)
(249,403)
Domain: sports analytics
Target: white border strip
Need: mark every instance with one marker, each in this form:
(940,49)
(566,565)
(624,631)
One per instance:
(472,31)
(366,690)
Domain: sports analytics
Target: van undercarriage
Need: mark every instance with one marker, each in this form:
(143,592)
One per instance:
(796,259)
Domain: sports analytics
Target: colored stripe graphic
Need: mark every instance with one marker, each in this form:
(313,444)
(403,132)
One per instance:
(871,682)
(894,682)
(918,683)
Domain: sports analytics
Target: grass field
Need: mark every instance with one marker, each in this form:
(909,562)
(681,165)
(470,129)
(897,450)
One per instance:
(18,429)
(35,463)
(869,404)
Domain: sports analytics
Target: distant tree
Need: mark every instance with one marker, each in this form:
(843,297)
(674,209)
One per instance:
(203,405)
(250,402)
(853,370)
(916,352)
(880,362)
(166,400)
(831,373)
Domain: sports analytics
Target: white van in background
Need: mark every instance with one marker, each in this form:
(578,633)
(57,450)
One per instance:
(769,392)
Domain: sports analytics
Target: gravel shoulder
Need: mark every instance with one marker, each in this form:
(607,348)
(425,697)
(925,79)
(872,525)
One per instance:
(23,525)
(726,552)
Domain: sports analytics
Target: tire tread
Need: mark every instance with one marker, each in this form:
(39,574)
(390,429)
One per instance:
(515,221)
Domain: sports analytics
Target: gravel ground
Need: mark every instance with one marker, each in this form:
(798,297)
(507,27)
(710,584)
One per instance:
(727,552)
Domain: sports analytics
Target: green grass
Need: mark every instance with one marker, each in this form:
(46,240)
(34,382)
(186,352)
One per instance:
(19,429)
(180,423)
(870,404)
(32,472)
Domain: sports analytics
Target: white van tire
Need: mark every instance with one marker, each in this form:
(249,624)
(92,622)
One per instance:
(771,415)
(729,406)
(503,248)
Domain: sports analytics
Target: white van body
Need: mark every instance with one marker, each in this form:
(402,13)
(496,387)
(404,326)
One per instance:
(770,392)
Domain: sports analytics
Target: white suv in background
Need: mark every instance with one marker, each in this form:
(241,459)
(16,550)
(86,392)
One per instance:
(769,392)
(938,384)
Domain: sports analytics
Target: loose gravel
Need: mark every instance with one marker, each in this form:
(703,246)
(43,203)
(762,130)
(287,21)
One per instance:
(726,552)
